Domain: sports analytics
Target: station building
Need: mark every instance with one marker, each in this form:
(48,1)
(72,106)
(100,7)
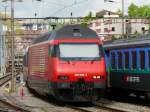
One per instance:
(111,24)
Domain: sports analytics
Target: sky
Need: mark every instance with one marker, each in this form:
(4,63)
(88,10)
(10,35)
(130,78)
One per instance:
(63,8)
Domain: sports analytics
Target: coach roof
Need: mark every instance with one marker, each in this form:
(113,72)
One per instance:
(143,40)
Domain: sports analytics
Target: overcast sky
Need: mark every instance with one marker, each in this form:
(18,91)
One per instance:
(65,7)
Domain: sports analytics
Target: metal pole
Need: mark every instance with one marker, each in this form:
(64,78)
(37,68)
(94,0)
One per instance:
(5,11)
(5,7)
(12,47)
(123,18)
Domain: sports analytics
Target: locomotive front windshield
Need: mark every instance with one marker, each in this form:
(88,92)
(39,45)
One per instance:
(79,51)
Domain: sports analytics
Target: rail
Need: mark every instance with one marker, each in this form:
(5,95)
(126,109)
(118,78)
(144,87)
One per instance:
(108,108)
(4,79)
(96,107)
(77,108)
(15,107)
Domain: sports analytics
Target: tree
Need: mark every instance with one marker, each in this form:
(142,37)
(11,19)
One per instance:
(143,11)
(139,11)
(133,10)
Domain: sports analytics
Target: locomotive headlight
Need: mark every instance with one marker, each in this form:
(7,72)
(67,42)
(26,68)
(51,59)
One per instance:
(63,77)
(96,77)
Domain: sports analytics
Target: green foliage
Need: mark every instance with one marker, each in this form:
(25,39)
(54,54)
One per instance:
(90,14)
(113,38)
(133,10)
(139,11)
(84,24)
(88,18)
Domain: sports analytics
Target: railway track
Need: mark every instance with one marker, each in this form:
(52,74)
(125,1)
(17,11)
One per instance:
(4,79)
(110,108)
(95,108)
(6,106)
(77,108)
(122,106)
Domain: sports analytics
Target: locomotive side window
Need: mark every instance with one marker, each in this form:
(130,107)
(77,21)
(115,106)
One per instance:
(142,59)
(126,59)
(53,50)
(113,61)
(119,60)
(134,58)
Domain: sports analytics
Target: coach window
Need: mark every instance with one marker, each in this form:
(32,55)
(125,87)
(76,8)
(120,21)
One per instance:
(126,59)
(149,59)
(142,59)
(113,61)
(119,60)
(134,58)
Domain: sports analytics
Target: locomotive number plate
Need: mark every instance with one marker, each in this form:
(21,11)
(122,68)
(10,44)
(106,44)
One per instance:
(82,75)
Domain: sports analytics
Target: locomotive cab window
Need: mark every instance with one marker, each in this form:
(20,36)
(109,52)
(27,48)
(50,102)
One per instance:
(142,59)
(79,51)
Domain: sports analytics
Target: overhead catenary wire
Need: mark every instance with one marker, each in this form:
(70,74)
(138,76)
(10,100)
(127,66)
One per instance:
(55,3)
(69,6)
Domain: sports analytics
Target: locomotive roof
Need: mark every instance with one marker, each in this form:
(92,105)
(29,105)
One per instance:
(74,31)
(68,31)
(42,38)
(143,40)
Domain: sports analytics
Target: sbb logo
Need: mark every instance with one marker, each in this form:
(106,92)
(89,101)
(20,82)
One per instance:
(134,79)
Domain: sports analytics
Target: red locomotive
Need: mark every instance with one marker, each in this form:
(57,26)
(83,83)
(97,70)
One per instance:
(67,63)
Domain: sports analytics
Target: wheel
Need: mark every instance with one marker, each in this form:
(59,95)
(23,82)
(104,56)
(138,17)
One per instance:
(147,95)
(95,98)
(97,94)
